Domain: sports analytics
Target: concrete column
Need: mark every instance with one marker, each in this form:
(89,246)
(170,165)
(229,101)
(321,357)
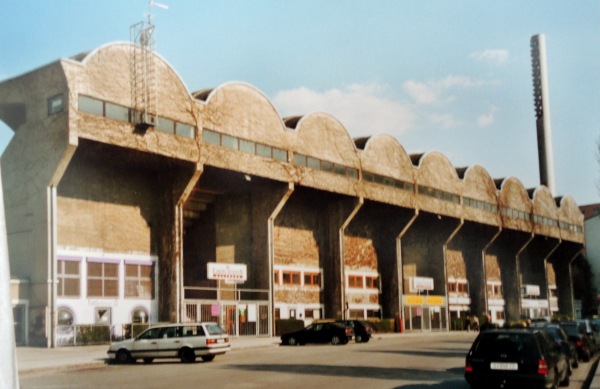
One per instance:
(507,247)
(561,260)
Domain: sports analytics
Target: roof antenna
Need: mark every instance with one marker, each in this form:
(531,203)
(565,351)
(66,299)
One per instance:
(144,95)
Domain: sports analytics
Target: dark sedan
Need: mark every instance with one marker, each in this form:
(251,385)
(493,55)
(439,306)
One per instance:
(579,338)
(362,330)
(333,333)
(560,336)
(516,358)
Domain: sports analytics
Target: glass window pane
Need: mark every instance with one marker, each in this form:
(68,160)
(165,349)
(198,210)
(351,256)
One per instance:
(131,270)
(211,137)
(184,130)
(263,150)
(90,105)
(71,267)
(111,288)
(352,173)
(111,270)
(341,170)
(299,160)
(313,163)
(117,112)
(94,269)
(146,270)
(229,141)
(280,155)
(327,166)
(247,146)
(94,288)
(165,125)
(71,286)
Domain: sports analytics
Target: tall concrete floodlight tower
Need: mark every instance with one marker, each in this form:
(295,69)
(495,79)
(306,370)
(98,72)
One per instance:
(541,103)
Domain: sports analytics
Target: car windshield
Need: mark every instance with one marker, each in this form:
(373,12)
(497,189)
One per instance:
(514,345)
(214,329)
(571,330)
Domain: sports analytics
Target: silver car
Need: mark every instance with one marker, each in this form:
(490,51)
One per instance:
(185,341)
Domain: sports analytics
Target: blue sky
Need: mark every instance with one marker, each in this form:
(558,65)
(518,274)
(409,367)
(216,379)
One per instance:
(450,76)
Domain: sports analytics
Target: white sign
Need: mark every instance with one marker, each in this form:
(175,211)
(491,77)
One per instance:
(420,283)
(531,290)
(227,271)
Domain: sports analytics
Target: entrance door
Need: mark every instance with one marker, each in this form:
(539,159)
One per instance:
(231,319)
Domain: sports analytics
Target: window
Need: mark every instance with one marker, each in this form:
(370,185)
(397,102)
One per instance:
(461,287)
(452,287)
(291,278)
(211,137)
(355,281)
(184,130)
(68,278)
(103,279)
(300,160)
(165,125)
(312,279)
(229,141)
(264,151)
(280,155)
(117,112)
(139,280)
(91,105)
(56,104)
(372,282)
(247,146)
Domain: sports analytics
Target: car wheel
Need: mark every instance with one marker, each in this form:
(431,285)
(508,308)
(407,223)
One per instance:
(358,339)
(292,341)
(148,360)
(123,356)
(187,355)
(335,340)
(207,358)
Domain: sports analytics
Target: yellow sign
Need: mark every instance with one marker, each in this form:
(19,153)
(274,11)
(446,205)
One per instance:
(413,300)
(435,300)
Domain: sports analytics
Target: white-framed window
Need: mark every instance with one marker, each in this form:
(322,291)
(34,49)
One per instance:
(102,279)
(139,280)
(68,276)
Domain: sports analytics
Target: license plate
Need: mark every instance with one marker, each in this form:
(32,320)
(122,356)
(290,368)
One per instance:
(220,340)
(504,366)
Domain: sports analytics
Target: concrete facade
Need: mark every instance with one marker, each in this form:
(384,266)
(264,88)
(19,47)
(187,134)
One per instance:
(108,221)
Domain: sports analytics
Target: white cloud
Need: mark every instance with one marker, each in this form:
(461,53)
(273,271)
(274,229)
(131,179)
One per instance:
(433,92)
(362,108)
(487,119)
(497,56)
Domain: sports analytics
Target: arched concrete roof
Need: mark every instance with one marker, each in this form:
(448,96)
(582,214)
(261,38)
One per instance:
(241,110)
(543,203)
(569,211)
(322,136)
(479,185)
(384,155)
(514,195)
(436,171)
(107,74)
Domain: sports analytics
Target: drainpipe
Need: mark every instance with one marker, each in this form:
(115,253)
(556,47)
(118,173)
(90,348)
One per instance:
(400,269)
(271,242)
(518,260)
(546,276)
(52,264)
(445,248)
(483,253)
(180,298)
(359,204)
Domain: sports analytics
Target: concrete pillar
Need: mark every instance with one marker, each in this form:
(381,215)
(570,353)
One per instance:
(561,260)
(470,241)
(506,248)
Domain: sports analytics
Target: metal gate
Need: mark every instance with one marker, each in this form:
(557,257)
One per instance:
(241,318)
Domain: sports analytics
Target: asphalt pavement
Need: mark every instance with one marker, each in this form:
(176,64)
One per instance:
(36,359)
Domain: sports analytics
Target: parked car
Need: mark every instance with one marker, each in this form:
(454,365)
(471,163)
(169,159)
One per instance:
(328,332)
(559,335)
(516,358)
(362,329)
(185,341)
(579,338)
(592,331)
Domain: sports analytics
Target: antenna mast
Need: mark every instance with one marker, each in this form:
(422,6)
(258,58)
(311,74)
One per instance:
(144,96)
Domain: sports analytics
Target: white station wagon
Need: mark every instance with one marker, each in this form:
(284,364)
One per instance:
(185,341)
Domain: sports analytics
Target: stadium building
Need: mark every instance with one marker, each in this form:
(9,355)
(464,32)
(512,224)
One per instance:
(119,215)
